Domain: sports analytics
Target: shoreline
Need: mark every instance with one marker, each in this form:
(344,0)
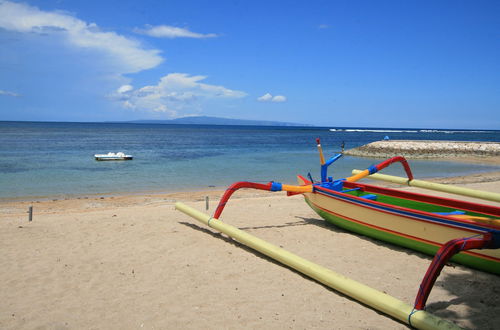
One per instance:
(82,203)
(217,191)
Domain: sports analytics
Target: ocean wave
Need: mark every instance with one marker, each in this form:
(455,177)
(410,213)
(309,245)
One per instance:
(450,131)
(406,131)
(373,130)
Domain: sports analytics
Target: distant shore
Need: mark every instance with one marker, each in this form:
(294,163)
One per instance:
(488,152)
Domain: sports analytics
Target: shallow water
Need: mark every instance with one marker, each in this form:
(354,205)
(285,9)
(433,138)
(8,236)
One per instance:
(44,159)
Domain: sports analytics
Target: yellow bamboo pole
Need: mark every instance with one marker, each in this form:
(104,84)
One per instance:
(495,197)
(321,157)
(297,189)
(358,176)
(362,293)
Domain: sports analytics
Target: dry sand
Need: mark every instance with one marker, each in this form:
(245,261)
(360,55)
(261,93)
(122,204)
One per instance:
(133,262)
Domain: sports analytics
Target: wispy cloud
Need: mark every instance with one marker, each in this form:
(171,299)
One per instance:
(323,26)
(269,98)
(174,94)
(128,54)
(7,93)
(166,31)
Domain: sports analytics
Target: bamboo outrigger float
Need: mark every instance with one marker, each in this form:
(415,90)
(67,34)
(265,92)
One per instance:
(378,300)
(465,232)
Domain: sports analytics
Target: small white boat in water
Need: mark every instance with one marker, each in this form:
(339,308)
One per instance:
(113,156)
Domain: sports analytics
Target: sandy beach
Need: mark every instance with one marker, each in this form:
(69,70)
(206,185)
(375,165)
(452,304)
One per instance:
(133,262)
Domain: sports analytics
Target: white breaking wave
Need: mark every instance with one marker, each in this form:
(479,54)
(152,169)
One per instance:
(404,131)
(450,132)
(373,130)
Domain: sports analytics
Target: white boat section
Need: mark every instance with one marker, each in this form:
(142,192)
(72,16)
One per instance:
(113,156)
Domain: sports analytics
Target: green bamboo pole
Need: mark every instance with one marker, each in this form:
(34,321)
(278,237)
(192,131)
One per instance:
(486,195)
(358,291)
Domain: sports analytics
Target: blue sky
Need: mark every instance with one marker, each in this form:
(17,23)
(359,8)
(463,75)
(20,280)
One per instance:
(428,64)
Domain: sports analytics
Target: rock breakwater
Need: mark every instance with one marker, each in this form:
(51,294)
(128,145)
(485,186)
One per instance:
(414,149)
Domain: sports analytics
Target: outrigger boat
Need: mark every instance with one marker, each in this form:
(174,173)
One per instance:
(465,232)
(448,229)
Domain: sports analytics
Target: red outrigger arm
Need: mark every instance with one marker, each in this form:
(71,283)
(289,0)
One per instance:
(443,255)
(235,186)
(271,186)
(375,168)
(400,159)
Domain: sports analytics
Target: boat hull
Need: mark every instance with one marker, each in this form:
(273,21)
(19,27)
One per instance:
(417,230)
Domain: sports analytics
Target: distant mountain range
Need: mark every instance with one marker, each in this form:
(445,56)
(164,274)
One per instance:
(204,120)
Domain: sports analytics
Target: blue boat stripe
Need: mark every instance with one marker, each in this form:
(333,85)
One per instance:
(406,213)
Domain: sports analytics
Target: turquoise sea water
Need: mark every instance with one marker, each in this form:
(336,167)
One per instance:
(56,159)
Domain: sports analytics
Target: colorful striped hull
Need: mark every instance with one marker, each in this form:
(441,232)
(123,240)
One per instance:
(416,229)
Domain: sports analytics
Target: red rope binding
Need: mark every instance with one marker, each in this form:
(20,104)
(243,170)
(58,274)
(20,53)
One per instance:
(442,256)
(235,186)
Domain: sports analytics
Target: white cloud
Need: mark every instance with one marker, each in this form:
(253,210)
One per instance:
(269,98)
(7,93)
(166,31)
(124,89)
(175,93)
(128,54)
(279,98)
(265,97)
